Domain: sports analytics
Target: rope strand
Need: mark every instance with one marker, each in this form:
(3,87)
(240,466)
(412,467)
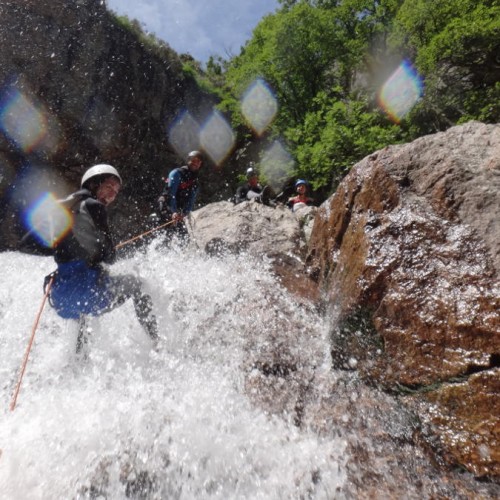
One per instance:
(119,245)
(26,355)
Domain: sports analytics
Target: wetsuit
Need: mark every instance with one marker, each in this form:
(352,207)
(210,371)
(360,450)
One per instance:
(82,286)
(299,199)
(247,192)
(180,193)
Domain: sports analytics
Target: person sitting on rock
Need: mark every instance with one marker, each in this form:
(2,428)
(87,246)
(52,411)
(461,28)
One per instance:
(300,199)
(253,190)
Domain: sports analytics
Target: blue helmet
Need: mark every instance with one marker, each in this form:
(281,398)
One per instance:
(301,181)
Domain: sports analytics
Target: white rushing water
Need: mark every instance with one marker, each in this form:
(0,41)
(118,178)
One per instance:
(130,421)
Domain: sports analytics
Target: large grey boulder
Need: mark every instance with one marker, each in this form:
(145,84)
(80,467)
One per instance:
(276,234)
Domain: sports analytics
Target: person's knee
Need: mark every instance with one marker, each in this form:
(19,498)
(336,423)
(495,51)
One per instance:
(126,284)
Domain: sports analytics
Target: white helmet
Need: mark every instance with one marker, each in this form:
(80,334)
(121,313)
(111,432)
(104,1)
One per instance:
(101,169)
(251,172)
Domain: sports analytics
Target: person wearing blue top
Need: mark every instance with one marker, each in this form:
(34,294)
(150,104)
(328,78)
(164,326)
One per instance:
(177,199)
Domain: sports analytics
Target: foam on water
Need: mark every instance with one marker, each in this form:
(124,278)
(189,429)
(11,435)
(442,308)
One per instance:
(129,421)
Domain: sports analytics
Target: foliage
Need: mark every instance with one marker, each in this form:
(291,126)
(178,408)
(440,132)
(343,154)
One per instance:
(325,61)
(312,54)
(455,44)
(154,44)
(338,135)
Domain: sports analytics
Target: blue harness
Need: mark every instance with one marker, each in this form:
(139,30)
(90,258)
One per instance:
(79,289)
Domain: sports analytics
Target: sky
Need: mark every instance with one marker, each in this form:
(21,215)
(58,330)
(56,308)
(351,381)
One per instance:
(201,28)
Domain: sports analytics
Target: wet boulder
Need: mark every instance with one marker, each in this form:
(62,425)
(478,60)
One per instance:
(407,253)
(273,233)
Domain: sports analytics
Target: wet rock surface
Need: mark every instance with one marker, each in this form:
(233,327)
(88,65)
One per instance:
(101,94)
(412,293)
(271,233)
(407,253)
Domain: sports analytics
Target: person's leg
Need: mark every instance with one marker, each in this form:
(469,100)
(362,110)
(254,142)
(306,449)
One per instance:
(128,286)
(82,338)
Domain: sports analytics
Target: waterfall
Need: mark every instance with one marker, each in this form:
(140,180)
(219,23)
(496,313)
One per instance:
(238,401)
(177,422)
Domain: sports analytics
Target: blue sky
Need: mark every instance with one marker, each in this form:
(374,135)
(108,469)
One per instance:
(199,27)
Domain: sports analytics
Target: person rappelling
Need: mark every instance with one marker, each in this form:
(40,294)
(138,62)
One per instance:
(82,286)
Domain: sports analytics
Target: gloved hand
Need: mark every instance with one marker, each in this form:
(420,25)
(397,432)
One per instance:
(177,216)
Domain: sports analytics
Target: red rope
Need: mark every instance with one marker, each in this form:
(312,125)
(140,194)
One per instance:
(25,361)
(144,234)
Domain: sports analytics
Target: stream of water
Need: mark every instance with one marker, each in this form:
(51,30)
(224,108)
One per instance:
(238,402)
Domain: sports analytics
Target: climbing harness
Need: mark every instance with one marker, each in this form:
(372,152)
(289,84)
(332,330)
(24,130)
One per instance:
(82,339)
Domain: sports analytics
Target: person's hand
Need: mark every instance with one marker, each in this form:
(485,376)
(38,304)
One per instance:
(177,217)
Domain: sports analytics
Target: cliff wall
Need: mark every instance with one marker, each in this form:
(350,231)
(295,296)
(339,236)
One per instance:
(78,88)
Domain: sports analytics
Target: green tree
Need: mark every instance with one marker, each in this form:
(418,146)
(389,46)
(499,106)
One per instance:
(336,136)
(295,52)
(455,45)
(314,54)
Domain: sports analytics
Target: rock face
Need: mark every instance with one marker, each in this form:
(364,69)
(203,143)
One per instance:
(273,233)
(77,87)
(407,252)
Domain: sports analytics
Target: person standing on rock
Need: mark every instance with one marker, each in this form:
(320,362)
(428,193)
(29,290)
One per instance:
(177,199)
(251,189)
(82,285)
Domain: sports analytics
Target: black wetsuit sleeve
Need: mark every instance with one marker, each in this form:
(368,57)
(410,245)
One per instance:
(104,248)
(31,244)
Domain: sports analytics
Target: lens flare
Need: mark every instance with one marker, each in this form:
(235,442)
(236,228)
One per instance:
(26,122)
(401,92)
(217,138)
(277,165)
(49,220)
(184,134)
(259,106)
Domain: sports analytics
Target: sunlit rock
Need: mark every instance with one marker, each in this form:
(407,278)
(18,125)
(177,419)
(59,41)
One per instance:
(408,251)
(275,234)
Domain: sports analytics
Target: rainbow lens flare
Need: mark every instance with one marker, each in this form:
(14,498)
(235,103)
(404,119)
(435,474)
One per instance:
(400,92)
(277,164)
(184,135)
(26,122)
(49,220)
(217,138)
(259,106)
